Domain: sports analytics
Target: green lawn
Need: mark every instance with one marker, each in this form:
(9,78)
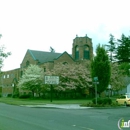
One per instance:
(17,101)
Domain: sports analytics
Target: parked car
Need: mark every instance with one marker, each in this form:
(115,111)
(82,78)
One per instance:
(124,100)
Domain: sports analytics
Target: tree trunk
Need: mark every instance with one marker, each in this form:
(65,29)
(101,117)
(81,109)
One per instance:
(39,94)
(32,93)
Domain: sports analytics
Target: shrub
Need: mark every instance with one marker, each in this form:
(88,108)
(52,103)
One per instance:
(25,96)
(107,101)
(99,101)
(102,101)
(9,95)
(15,95)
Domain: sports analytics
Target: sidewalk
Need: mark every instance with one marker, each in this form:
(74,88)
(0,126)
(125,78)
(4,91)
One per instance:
(61,106)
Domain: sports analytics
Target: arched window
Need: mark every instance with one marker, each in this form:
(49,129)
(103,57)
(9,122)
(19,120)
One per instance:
(21,73)
(65,63)
(86,52)
(44,69)
(27,63)
(76,52)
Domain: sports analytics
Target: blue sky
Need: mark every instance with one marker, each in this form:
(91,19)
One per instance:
(39,24)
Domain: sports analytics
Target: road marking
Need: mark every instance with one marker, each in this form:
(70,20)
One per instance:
(86,128)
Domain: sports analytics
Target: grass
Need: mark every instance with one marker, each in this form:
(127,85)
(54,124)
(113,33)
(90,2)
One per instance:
(29,101)
(17,101)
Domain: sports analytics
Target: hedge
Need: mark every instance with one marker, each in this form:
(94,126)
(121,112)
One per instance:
(102,101)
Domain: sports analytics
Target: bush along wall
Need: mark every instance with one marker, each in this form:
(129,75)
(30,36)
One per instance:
(102,101)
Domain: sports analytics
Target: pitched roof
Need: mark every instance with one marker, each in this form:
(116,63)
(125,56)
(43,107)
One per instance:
(43,56)
(63,54)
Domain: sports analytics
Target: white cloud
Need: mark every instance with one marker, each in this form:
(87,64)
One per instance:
(39,24)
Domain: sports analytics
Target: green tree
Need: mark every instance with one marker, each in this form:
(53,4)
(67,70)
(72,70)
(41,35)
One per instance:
(123,49)
(126,68)
(100,67)
(3,54)
(111,48)
(32,79)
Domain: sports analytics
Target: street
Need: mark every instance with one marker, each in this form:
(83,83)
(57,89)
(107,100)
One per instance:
(25,118)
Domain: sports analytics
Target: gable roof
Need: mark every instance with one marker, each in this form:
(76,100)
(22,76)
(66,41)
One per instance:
(63,54)
(43,56)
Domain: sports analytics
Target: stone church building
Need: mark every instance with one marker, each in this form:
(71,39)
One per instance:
(82,51)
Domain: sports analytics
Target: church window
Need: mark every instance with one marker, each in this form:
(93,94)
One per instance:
(4,76)
(76,52)
(44,69)
(86,52)
(65,63)
(12,75)
(7,75)
(21,73)
(27,63)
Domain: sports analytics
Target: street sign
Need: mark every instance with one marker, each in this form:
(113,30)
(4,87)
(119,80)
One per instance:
(51,79)
(95,79)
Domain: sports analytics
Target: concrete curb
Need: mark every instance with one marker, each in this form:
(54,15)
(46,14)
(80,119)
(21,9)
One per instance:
(60,106)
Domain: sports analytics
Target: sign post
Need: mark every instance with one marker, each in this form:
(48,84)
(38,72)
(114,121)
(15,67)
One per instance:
(51,92)
(109,87)
(96,82)
(51,80)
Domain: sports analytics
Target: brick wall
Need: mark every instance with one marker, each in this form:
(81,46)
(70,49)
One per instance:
(27,58)
(9,80)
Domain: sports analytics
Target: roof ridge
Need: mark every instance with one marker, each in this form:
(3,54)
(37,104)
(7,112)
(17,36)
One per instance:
(45,51)
(32,54)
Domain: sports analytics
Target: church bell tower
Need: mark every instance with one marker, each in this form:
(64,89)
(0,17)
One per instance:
(82,48)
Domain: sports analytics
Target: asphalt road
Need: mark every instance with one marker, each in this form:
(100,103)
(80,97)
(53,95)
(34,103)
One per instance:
(24,118)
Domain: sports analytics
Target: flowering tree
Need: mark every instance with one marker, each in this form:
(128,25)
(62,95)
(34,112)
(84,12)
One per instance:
(32,79)
(117,77)
(72,76)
